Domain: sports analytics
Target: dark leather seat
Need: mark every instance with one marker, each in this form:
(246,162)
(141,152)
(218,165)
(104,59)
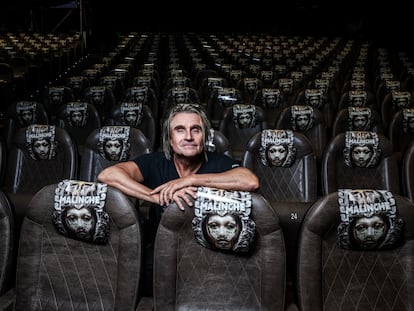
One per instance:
(190,276)
(25,174)
(380,170)
(333,278)
(239,135)
(94,159)
(58,272)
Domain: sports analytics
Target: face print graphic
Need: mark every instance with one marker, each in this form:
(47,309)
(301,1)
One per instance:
(223,231)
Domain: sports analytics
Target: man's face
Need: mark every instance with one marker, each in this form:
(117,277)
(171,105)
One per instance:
(187,135)
(276,155)
(359,122)
(77,118)
(368,231)
(302,121)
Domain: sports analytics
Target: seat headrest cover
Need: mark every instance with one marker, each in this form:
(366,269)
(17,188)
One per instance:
(77,114)
(114,142)
(361,149)
(360,119)
(302,118)
(222,220)
(277,148)
(41,141)
(79,211)
(244,116)
(369,219)
(132,113)
(26,112)
(408,120)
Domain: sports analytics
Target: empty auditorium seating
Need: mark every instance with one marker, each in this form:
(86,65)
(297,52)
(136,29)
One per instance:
(356,119)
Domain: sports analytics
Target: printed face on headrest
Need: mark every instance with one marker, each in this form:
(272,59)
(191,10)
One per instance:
(277,148)
(271,98)
(313,97)
(244,116)
(139,94)
(40,141)
(361,149)
(26,112)
(180,95)
(359,119)
(226,96)
(368,219)
(56,95)
(114,143)
(357,98)
(132,113)
(79,210)
(222,219)
(97,95)
(77,114)
(400,100)
(302,117)
(408,120)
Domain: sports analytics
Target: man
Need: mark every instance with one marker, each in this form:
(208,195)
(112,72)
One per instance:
(113,149)
(174,175)
(41,148)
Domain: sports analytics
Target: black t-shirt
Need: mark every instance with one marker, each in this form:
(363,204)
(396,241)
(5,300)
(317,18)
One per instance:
(157,170)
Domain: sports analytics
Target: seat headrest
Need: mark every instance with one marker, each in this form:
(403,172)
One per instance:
(362,149)
(277,148)
(41,143)
(222,219)
(114,143)
(79,211)
(369,219)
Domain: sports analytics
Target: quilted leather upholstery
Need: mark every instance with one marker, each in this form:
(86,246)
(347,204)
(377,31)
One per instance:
(55,272)
(188,276)
(332,278)
(336,174)
(407,171)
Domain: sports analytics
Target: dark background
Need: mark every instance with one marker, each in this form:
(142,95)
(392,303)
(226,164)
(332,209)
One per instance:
(386,25)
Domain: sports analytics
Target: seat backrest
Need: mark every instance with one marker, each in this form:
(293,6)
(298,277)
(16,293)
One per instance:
(219,143)
(27,171)
(131,142)
(136,115)
(332,277)
(60,271)
(190,276)
(79,119)
(272,101)
(102,97)
(360,159)
(144,95)
(407,171)
(239,123)
(393,102)
(307,120)
(401,129)
(54,97)
(295,174)
(220,99)
(23,113)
